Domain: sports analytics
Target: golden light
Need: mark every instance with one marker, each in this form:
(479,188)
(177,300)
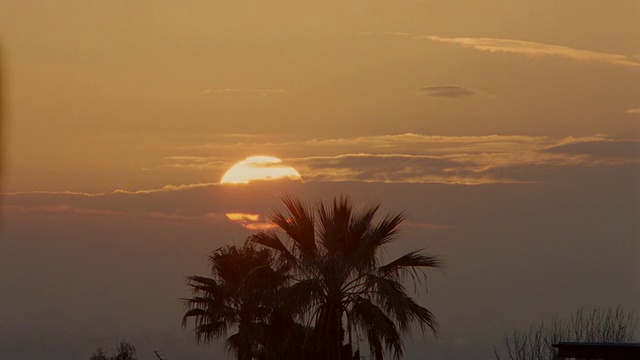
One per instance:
(250,221)
(259,168)
(242,217)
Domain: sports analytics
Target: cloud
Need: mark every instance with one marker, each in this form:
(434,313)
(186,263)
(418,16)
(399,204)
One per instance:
(262,91)
(393,158)
(195,162)
(419,158)
(242,217)
(388,168)
(536,49)
(606,149)
(530,48)
(48,192)
(61,208)
(634,111)
(250,221)
(198,204)
(165,188)
(449,91)
(403,169)
(123,215)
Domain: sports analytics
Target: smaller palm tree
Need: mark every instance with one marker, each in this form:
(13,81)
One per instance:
(239,294)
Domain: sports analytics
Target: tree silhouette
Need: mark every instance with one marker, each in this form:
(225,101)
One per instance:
(612,325)
(336,276)
(126,351)
(99,355)
(239,294)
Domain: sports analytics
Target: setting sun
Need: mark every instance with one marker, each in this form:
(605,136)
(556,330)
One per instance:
(259,168)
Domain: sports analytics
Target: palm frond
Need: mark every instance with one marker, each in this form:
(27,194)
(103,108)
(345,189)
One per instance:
(271,240)
(262,279)
(380,328)
(387,229)
(202,281)
(378,235)
(392,296)
(202,302)
(201,285)
(298,297)
(299,224)
(361,223)
(246,341)
(375,345)
(414,259)
(423,317)
(335,224)
(209,331)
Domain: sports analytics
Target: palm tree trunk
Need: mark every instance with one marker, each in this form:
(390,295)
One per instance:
(330,332)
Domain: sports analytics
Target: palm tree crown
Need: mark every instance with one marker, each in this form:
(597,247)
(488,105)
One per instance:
(333,253)
(238,295)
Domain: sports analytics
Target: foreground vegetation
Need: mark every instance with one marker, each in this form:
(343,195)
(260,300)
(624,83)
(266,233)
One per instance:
(314,289)
(612,325)
(125,351)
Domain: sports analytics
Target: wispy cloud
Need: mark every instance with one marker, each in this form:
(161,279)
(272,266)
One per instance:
(634,111)
(536,49)
(418,158)
(261,91)
(195,162)
(62,208)
(120,215)
(530,48)
(608,151)
(49,192)
(166,188)
(403,158)
(396,159)
(448,91)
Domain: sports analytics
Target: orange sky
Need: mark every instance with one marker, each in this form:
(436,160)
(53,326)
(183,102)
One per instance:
(508,130)
(102,95)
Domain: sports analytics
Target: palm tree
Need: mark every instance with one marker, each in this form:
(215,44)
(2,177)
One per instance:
(336,276)
(239,294)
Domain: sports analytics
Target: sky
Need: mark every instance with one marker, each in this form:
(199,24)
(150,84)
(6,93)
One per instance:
(508,131)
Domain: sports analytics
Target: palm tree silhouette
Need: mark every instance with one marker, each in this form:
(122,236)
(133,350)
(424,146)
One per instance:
(239,294)
(333,253)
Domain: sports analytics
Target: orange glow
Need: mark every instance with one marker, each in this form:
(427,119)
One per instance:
(242,217)
(250,221)
(259,168)
(259,226)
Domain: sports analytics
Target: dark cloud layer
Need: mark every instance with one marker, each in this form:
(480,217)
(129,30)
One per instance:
(622,149)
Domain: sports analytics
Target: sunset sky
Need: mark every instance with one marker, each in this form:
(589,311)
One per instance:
(509,132)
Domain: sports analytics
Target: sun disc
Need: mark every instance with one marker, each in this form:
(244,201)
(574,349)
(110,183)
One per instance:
(259,168)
